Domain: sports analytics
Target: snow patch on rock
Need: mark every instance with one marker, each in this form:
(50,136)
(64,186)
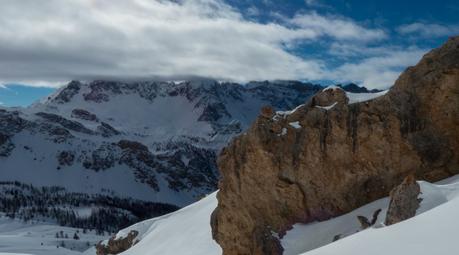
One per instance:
(295,124)
(362,97)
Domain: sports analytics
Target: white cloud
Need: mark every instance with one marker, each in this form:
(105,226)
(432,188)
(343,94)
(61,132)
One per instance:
(47,42)
(428,30)
(339,28)
(253,11)
(381,70)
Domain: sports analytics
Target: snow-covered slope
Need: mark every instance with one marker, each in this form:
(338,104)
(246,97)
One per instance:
(432,231)
(36,238)
(186,231)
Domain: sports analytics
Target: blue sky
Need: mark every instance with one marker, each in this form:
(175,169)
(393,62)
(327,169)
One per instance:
(19,95)
(327,41)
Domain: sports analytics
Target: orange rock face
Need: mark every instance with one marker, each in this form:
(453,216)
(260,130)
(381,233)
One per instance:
(329,157)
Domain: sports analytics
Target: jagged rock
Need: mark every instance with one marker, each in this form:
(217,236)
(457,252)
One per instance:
(69,124)
(365,223)
(68,92)
(340,158)
(84,115)
(117,246)
(138,157)
(102,158)
(58,134)
(214,112)
(11,122)
(6,146)
(66,158)
(404,201)
(100,89)
(267,112)
(375,217)
(132,145)
(106,130)
(329,97)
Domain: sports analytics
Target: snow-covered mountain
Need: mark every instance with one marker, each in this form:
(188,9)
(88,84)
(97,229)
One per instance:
(152,142)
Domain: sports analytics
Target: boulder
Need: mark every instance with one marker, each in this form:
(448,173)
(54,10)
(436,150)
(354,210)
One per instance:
(117,245)
(404,201)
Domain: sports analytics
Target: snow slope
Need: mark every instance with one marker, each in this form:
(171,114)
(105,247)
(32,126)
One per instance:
(38,238)
(186,231)
(433,231)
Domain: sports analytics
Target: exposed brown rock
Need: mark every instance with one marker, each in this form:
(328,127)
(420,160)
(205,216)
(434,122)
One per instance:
(341,158)
(267,112)
(404,201)
(116,246)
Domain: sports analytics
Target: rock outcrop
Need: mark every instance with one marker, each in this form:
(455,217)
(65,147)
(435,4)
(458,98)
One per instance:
(84,115)
(365,223)
(404,201)
(328,157)
(117,245)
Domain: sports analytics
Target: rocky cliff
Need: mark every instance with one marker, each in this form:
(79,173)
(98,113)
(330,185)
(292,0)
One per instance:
(330,155)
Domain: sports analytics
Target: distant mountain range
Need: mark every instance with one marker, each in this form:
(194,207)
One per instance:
(154,142)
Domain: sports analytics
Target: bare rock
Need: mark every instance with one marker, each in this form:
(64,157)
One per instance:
(330,96)
(365,223)
(6,146)
(106,130)
(341,158)
(267,112)
(69,124)
(404,201)
(84,115)
(68,92)
(66,158)
(117,246)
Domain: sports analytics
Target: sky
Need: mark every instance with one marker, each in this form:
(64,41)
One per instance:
(45,44)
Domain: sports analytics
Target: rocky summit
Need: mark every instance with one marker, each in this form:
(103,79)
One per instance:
(336,153)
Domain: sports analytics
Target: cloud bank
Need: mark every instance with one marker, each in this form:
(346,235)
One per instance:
(50,42)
